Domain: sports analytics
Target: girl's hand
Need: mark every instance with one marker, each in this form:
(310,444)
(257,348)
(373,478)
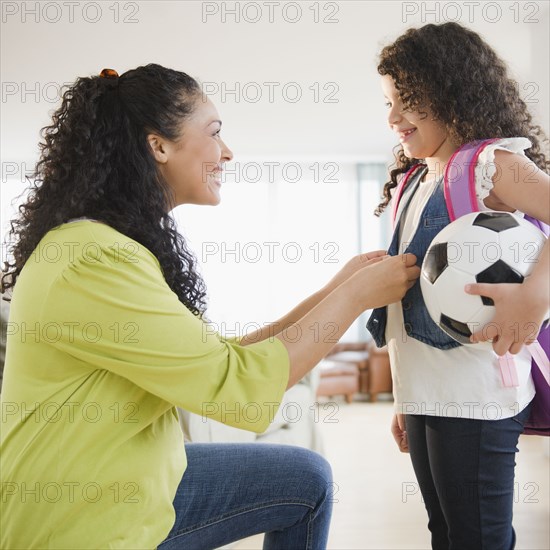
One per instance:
(399,432)
(520,312)
(520,309)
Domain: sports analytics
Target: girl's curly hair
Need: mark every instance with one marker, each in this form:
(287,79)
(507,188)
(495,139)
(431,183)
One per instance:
(95,162)
(454,73)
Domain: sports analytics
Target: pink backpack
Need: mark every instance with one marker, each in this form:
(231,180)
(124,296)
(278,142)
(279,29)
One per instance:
(460,199)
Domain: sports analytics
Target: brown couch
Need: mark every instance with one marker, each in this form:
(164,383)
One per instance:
(353,367)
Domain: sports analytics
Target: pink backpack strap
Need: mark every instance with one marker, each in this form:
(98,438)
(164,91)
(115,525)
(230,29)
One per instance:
(537,223)
(460,199)
(459,182)
(459,189)
(401,187)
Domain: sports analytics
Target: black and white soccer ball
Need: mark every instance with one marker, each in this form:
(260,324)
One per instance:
(482,247)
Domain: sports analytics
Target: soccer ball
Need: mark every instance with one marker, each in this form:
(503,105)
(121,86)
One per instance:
(482,247)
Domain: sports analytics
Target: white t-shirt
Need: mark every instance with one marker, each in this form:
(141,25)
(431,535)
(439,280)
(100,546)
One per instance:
(463,382)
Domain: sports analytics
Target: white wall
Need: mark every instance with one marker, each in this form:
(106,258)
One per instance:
(172,33)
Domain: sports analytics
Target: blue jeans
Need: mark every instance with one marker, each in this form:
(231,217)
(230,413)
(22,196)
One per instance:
(232,491)
(465,470)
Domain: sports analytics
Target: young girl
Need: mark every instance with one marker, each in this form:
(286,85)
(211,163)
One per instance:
(107,337)
(445,87)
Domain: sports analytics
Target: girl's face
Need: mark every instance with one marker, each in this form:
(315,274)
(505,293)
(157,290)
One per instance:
(193,164)
(420,135)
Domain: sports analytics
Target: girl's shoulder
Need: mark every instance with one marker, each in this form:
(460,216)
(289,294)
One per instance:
(512,144)
(486,168)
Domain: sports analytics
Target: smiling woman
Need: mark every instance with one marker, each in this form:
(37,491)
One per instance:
(194,162)
(121,340)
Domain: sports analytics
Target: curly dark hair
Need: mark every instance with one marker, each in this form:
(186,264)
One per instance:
(95,162)
(454,73)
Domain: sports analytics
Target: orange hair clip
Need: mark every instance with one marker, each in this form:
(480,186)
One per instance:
(108,73)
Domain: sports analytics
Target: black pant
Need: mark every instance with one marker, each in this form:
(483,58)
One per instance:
(465,469)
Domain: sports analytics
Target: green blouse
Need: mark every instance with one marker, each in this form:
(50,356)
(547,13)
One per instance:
(100,351)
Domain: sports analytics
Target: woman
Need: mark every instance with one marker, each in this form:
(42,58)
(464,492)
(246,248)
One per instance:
(118,307)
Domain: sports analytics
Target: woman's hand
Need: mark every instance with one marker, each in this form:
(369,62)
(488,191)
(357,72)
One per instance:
(519,313)
(355,264)
(378,284)
(399,432)
(386,279)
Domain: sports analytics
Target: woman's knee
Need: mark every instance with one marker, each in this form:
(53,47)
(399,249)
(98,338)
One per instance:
(312,471)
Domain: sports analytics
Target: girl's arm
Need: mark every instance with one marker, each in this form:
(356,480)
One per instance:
(353,265)
(520,309)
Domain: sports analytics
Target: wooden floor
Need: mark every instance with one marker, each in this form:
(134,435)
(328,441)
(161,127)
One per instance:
(377,502)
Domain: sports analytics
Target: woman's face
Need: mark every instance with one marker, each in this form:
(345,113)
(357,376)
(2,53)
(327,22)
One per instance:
(193,164)
(420,135)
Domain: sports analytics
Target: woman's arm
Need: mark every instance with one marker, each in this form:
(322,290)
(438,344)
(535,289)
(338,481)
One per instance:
(273,329)
(376,285)
(520,309)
